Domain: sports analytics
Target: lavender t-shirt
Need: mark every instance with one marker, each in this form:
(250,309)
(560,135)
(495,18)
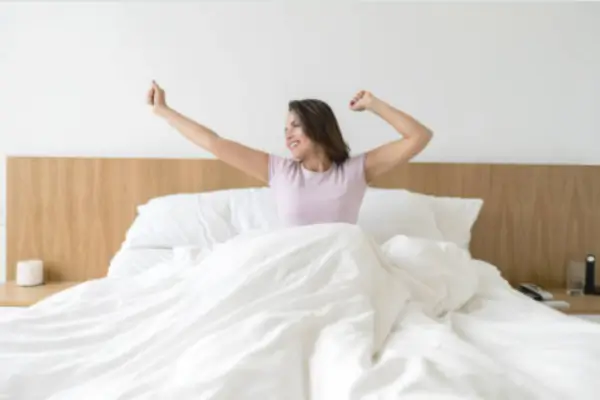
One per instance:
(306,197)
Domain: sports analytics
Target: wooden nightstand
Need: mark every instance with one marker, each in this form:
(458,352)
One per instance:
(12,295)
(581,305)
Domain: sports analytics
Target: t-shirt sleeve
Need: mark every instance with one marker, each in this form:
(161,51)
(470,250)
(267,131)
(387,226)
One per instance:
(277,167)
(355,169)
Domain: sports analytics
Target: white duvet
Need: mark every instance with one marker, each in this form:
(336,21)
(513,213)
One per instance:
(315,312)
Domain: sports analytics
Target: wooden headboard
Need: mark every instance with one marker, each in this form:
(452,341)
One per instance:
(73,212)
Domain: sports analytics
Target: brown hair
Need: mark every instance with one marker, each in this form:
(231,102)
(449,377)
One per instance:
(320,125)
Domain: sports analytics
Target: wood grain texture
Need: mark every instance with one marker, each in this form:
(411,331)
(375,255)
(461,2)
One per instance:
(535,218)
(73,212)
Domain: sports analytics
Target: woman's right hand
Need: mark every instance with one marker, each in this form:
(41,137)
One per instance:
(156,98)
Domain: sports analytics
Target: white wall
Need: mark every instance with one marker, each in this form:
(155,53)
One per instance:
(498,83)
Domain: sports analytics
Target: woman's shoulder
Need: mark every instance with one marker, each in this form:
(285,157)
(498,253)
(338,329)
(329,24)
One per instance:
(281,166)
(355,164)
(353,169)
(279,162)
(355,160)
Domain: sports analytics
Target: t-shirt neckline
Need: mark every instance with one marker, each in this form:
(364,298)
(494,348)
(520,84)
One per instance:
(308,171)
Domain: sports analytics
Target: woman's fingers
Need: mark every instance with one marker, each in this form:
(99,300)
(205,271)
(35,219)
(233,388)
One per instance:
(357,97)
(150,96)
(156,95)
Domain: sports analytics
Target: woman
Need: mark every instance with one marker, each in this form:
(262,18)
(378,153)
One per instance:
(321,183)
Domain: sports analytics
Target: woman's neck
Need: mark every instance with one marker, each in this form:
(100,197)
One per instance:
(316,163)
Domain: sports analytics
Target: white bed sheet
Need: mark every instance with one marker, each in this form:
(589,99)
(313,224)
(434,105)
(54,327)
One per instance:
(9,312)
(305,313)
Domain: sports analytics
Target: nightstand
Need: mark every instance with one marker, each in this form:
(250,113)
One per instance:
(580,305)
(13,295)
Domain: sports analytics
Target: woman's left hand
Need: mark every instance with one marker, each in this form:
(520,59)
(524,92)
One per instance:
(362,101)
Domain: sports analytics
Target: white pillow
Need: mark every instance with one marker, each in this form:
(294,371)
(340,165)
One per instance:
(389,212)
(210,218)
(386,213)
(200,219)
(253,209)
(455,217)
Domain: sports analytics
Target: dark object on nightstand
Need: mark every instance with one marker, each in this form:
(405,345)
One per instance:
(590,276)
(536,292)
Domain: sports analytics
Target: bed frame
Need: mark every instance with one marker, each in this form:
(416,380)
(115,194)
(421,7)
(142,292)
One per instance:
(73,212)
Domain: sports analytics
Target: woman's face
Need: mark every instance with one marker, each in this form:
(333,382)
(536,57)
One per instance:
(296,140)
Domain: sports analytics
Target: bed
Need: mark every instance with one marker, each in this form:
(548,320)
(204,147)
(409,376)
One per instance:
(192,290)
